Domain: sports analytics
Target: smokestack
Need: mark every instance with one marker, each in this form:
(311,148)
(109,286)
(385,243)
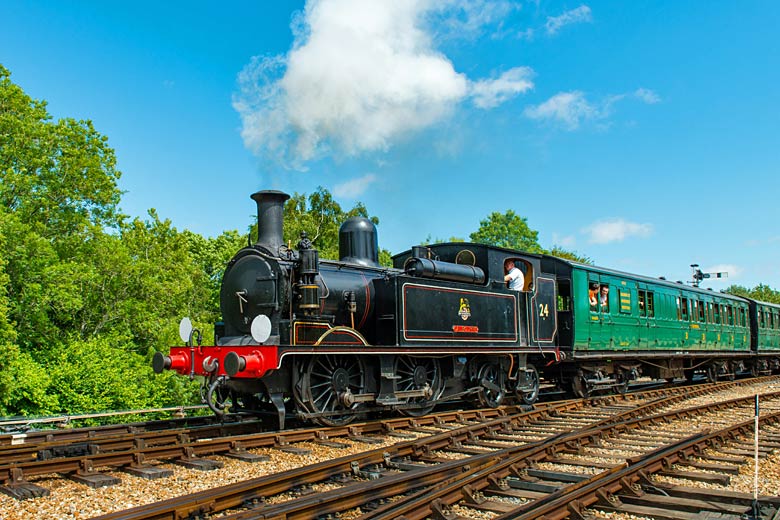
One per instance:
(270,213)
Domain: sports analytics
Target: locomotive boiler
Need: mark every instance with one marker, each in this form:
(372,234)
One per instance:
(330,340)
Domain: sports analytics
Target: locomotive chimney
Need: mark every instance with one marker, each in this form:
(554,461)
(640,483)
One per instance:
(270,212)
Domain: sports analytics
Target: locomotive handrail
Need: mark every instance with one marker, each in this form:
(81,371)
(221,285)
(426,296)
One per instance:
(341,328)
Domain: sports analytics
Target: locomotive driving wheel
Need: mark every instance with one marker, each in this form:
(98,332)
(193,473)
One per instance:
(530,396)
(329,384)
(419,374)
(491,379)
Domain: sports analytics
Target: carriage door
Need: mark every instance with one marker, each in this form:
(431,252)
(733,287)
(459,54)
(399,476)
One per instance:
(544,315)
(644,309)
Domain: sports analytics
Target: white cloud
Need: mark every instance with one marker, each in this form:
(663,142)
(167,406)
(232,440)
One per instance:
(579,15)
(471,18)
(564,240)
(572,108)
(493,92)
(359,77)
(569,108)
(616,230)
(355,187)
(647,95)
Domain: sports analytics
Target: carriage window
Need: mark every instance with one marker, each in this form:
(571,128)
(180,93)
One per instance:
(716,309)
(683,311)
(593,296)
(742,316)
(710,314)
(730,313)
(650,305)
(700,310)
(761,318)
(604,297)
(641,296)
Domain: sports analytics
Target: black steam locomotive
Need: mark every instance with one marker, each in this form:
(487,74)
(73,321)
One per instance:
(331,340)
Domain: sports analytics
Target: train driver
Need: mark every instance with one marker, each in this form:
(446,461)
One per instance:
(513,275)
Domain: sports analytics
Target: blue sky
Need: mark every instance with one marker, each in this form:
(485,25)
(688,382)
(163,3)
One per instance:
(642,134)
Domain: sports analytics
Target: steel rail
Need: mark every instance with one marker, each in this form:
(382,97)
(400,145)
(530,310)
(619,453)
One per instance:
(424,503)
(237,494)
(563,502)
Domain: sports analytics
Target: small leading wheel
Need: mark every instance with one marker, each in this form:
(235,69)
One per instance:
(580,386)
(532,394)
(329,384)
(491,380)
(419,374)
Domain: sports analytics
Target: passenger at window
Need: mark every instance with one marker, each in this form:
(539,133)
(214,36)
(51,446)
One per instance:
(514,276)
(593,292)
(604,298)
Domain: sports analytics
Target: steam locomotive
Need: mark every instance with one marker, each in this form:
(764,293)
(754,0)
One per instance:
(329,341)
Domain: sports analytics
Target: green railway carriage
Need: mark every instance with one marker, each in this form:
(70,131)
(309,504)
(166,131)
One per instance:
(765,333)
(614,326)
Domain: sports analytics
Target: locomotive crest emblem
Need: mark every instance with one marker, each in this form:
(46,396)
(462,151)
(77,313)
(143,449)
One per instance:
(465,310)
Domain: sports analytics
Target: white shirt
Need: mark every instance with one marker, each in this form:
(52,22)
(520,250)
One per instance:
(516,279)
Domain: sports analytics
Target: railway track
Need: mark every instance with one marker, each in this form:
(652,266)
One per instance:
(477,436)
(387,472)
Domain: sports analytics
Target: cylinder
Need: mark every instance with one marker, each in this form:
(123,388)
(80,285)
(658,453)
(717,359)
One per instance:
(270,219)
(425,268)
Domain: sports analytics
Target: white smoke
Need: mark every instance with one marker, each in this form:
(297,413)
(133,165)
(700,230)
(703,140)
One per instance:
(359,77)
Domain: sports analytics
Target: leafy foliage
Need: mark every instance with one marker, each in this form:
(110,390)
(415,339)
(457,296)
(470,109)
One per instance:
(61,175)
(507,230)
(569,255)
(760,292)
(85,295)
(320,217)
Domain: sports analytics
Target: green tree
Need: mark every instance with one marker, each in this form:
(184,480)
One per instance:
(320,216)
(569,255)
(61,174)
(102,374)
(507,230)
(212,255)
(429,240)
(760,292)
(76,278)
